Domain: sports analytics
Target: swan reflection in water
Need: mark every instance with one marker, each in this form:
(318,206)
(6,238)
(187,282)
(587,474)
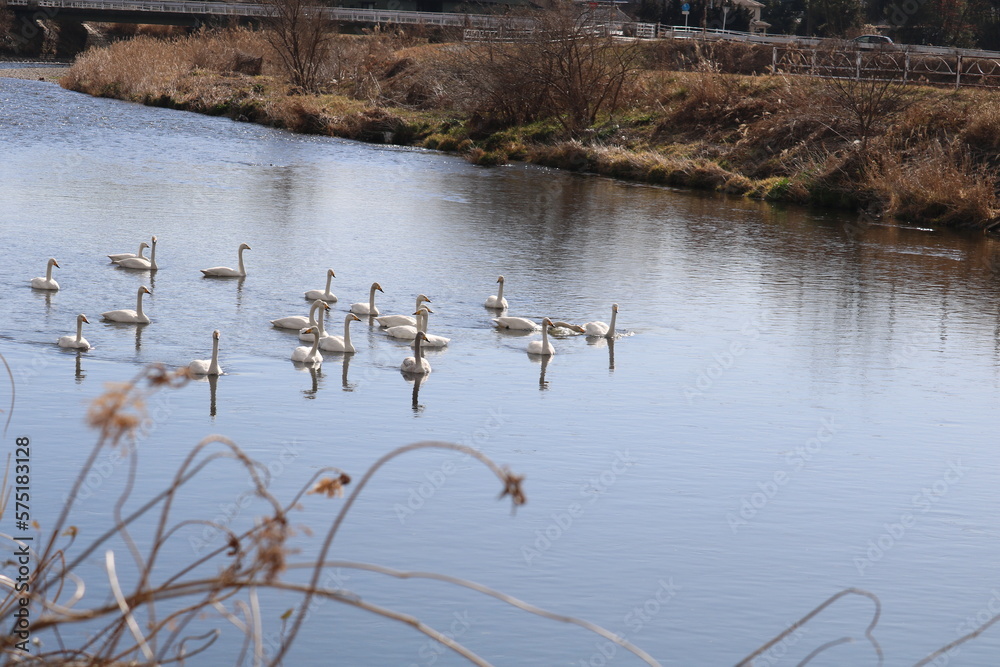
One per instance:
(416,379)
(213,383)
(544,360)
(45,295)
(239,292)
(345,384)
(316,371)
(80,375)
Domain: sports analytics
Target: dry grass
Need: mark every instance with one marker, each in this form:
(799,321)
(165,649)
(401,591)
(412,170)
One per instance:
(708,126)
(941,185)
(150,68)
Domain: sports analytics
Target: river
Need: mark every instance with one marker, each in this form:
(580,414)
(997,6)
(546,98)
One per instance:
(797,402)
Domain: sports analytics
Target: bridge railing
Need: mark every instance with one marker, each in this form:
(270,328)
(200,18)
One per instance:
(495,22)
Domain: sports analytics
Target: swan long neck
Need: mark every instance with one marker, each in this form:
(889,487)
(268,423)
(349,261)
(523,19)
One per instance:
(138,253)
(213,367)
(347,331)
(243,270)
(315,347)
(500,293)
(152,256)
(418,353)
(329,281)
(371,300)
(422,317)
(312,313)
(48,270)
(138,303)
(79,329)
(611,327)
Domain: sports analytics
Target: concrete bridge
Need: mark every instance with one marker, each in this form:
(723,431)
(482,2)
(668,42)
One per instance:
(791,54)
(188,13)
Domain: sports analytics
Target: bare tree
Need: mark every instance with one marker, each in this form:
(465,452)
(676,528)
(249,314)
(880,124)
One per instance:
(300,32)
(564,63)
(867,98)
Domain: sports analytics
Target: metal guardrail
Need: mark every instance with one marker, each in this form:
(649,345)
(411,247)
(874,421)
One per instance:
(946,69)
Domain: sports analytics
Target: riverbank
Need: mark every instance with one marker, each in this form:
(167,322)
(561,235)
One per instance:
(51,74)
(920,154)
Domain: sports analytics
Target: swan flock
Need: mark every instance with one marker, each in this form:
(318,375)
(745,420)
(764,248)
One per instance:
(310,327)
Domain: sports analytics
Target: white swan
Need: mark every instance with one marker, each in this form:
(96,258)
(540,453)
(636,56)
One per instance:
(301,321)
(367,308)
(77,341)
(430,340)
(117,257)
(203,367)
(340,343)
(141,262)
(561,328)
(515,323)
(225,271)
(402,320)
(130,316)
(600,328)
(417,363)
(324,295)
(542,346)
(305,336)
(409,331)
(309,355)
(48,282)
(497,301)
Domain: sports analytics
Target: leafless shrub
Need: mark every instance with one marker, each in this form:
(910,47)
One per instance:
(300,34)
(867,100)
(561,66)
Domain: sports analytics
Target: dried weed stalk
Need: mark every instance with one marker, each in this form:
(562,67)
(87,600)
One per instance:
(152,602)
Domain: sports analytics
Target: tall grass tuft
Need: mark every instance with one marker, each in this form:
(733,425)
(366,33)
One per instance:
(941,185)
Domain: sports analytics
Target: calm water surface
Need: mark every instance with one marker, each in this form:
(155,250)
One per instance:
(795,404)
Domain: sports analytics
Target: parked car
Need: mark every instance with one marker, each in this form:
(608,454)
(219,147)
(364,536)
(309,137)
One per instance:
(871,40)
